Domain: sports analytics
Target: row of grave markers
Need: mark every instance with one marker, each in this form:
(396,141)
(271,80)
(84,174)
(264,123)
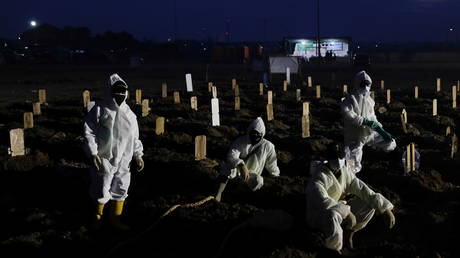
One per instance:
(28,116)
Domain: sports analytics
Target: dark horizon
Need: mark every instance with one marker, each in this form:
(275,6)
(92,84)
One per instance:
(237,21)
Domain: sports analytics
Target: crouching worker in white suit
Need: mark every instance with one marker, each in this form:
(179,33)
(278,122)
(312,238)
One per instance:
(112,139)
(331,180)
(248,156)
(360,125)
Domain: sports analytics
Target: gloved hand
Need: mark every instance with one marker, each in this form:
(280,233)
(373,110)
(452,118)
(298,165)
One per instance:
(372,124)
(350,220)
(386,135)
(244,171)
(97,162)
(389,218)
(139,163)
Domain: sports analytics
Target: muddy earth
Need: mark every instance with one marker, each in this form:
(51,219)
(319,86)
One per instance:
(45,208)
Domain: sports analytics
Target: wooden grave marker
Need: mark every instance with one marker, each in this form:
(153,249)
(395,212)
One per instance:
(86,98)
(416,92)
(28,120)
(270,97)
(435,107)
(310,82)
(194,103)
(237,90)
(42,96)
(138,96)
(285,85)
(454,145)
(404,120)
(305,126)
(164,90)
(36,107)
(318,91)
(410,158)
(261,89)
(159,125)
(298,95)
(233,83)
(438,84)
(345,89)
(176,95)
(214,92)
(145,107)
(200,147)
(270,115)
(388,96)
(237,103)
(215,112)
(382,85)
(454,96)
(188,82)
(17,142)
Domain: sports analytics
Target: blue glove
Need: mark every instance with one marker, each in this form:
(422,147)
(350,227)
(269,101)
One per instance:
(370,123)
(385,135)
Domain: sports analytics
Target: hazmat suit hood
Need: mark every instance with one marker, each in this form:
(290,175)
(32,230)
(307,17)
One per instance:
(116,81)
(359,78)
(258,125)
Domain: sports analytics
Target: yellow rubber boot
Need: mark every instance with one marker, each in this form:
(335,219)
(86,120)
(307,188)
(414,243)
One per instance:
(99,211)
(115,216)
(97,219)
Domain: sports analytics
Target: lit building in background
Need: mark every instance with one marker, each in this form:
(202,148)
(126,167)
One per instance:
(307,48)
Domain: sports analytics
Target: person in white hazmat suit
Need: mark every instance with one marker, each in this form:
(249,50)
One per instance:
(331,181)
(112,139)
(247,157)
(360,124)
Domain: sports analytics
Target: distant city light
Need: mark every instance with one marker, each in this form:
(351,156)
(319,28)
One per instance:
(358,47)
(451,29)
(33,23)
(303,43)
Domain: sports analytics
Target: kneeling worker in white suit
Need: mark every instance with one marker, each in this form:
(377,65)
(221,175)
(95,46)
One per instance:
(360,125)
(112,139)
(248,156)
(327,211)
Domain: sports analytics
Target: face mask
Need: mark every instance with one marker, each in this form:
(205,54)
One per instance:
(119,98)
(255,138)
(364,90)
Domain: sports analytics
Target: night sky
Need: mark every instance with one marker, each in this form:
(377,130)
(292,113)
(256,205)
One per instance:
(363,20)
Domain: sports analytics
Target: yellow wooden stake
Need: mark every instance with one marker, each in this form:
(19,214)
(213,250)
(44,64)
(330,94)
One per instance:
(237,90)
(237,103)
(435,107)
(388,96)
(345,89)
(37,108)
(318,91)
(200,147)
(310,82)
(416,92)
(176,95)
(305,126)
(382,85)
(86,98)
(145,108)
(270,97)
(306,109)
(233,83)
(42,96)
(28,120)
(454,96)
(261,89)
(438,84)
(138,96)
(159,125)
(285,85)
(270,115)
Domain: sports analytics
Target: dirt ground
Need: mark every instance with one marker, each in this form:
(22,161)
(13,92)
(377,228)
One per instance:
(45,207)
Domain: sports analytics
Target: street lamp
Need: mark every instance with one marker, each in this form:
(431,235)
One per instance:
(33,23)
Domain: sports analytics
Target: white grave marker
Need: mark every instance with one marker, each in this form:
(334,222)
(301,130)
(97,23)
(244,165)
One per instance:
(188,80)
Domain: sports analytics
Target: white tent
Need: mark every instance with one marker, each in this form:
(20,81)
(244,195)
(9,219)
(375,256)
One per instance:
(278,64)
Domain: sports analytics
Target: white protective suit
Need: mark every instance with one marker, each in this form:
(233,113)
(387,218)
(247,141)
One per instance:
(355,107)
(326,209)
(112,133)
(255,157)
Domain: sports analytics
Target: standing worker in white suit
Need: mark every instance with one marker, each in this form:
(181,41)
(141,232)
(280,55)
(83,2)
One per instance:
(247,157)
(112,139)
(327,210)
(360,124)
